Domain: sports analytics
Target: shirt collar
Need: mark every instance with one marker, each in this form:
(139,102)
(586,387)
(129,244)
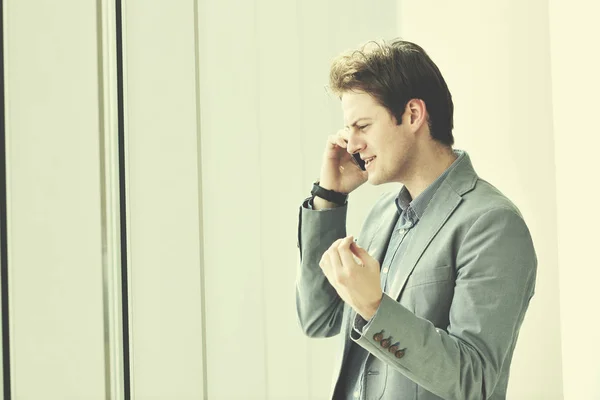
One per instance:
(414,209)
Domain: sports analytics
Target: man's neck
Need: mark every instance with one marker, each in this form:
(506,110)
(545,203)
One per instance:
(430,166)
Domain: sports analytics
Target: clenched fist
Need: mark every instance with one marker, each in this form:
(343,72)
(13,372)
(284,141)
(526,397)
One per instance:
(354,274)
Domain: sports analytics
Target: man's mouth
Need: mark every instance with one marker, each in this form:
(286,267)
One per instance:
(369,161)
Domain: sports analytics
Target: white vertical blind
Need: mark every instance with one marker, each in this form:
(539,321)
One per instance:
(236,334)
(54,218)
(163,200)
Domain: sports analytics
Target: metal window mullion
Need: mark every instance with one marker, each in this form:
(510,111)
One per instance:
(5,367)
(111,201)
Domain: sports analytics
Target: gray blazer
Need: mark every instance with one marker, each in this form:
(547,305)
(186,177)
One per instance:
(456,310)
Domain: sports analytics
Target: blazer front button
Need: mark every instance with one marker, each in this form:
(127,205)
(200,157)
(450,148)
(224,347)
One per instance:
(400,353)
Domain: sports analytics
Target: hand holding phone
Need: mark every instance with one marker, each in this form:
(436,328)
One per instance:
(341,171)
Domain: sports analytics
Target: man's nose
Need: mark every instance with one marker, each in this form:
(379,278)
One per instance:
(355,144)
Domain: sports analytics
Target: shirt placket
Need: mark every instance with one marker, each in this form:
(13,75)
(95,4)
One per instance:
(398,236)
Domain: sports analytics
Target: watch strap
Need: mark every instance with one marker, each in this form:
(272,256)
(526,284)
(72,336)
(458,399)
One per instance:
(329,195)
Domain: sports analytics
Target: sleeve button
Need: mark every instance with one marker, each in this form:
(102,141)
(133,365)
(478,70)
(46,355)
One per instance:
(385,343)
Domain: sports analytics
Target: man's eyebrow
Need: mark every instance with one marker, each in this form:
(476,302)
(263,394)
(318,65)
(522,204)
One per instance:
(356,122)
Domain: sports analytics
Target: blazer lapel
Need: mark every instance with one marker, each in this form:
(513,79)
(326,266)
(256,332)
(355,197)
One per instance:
(380,238)
(442,205)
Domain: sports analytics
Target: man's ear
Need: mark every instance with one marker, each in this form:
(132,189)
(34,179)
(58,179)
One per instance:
(416,111)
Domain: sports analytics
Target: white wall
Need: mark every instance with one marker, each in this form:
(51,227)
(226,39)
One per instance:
(495,57)
(574,33)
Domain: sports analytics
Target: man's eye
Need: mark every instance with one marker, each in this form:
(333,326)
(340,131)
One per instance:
(362,127)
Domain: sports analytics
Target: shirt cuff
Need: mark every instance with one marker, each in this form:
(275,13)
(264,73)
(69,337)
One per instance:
(308,203)
(361,324)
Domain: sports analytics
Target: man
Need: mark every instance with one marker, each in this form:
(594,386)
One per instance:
(430,298)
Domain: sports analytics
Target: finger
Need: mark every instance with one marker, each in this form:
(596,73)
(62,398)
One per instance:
(334,259)
(341,139)
(332,141)
(357,250)
(326,266)
(342,143)
(337,269)
(335,140)
(346,256)
(344,134)
(335,244)
(365,258)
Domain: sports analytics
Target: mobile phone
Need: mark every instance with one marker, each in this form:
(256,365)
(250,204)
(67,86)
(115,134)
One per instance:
(359,161)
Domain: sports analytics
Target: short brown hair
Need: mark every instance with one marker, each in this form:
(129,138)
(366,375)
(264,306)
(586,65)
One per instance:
(394,73)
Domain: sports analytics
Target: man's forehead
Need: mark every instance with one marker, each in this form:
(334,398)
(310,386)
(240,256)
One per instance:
(357,105)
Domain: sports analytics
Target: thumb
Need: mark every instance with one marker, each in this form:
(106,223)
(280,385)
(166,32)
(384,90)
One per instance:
(365,258)
(358,251)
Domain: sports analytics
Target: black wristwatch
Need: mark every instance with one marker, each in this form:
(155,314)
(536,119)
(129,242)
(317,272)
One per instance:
(329,195)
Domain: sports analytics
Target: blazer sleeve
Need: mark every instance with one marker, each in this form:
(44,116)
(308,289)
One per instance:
(319,307)
(495,279)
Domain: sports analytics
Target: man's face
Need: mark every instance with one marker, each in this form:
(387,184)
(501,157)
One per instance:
(375,134)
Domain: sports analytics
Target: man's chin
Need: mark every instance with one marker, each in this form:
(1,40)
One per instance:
(373,180)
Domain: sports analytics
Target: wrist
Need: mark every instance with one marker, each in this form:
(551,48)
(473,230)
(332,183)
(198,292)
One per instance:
(331,196)
(369,312)
(321,204)
(327,185)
